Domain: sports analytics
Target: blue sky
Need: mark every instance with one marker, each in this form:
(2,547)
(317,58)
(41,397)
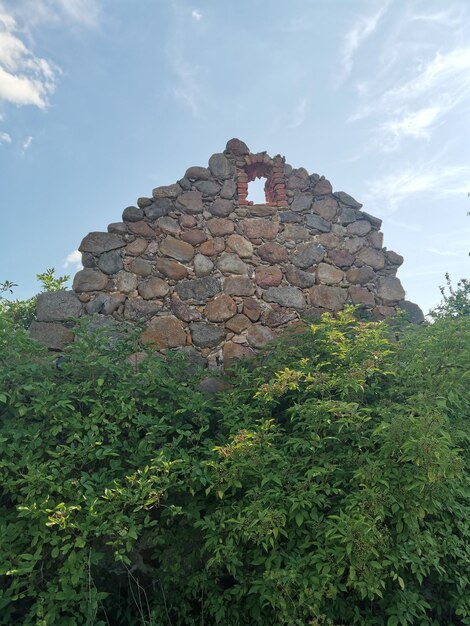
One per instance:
(102,100)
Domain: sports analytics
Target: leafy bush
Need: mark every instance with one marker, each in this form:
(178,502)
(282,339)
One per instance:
(327,485)
(23,311)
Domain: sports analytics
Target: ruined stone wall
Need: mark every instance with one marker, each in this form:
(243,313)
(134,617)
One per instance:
(214,275)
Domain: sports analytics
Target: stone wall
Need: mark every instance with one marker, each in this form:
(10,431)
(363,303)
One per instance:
(214,275)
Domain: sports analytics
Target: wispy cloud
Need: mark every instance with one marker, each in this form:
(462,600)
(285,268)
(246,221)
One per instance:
(25,79)
(74,259)
(5,138)
(364,26)
(197,15)
(421,77)
(36,12)
(299,114)
(389,192)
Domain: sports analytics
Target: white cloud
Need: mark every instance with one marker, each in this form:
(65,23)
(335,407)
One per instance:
(388,192)
(5,138)
(36,12)
(74,259)
(27,143)
(298,114)
(25,79)
(362,28)
(197,15)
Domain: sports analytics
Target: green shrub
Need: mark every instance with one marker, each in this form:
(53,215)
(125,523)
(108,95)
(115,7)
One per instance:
(328,485)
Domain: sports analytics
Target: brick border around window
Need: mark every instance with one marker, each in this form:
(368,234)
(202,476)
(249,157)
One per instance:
(262,166)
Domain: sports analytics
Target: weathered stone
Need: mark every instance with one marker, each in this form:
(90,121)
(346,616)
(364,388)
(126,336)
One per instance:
(252,309)
(288,217)
(348,215)
(297,180)
(142,229)
(221,207)
(219,226)
(57,306)
(239,286)
(325,208)
(376,239)
(138,310)
(176,249)
(318,223)
(211,385)
(359,275)
(158,208)
(260,229)
(118,228)
(328,274)
(285,296)
(198,289)
(413,312)
(237,147)
(195,359)
(228,190)
(184,311)
(141,267)
(105,303)
(202,265)
(54,336)
(212,247)
(234,351)
(89,280)
(193,237)
(348,200)
(197,173)
(272,253)
(389,288)
(382,312)
(144,202)
(187,221)
(296,232)
(238,323)
(220,309)
(126,282)
(371,257)
(302,202)
(171,269)
(191,202)
(268,276)
(164,332)
(110,262)
(360,228)
(206,335)
(208,188)
(168,225)
(375,221)
(185,184)
(258,336)
(341,258)
(97,243)
(277,317)
(231,264)
(167,191)
(308,254)
(354,244)
(240,245)
(137,247)
(323,187)
(153,288)
(88,260)
(394,258)
(360,295)
(299,278)
(220,166)
(329,240)
(332,298)
(132,214)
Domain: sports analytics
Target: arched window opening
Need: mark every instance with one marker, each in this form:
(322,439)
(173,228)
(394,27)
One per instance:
(256,191)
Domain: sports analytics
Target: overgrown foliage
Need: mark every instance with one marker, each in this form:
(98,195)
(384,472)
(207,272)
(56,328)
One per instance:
(328,485)
(23,311)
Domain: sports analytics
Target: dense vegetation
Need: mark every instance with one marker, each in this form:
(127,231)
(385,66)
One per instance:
(328,484)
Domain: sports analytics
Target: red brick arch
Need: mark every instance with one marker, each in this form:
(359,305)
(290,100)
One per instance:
(262,166)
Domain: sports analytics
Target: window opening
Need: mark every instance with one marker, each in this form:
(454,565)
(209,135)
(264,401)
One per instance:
(256,191)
